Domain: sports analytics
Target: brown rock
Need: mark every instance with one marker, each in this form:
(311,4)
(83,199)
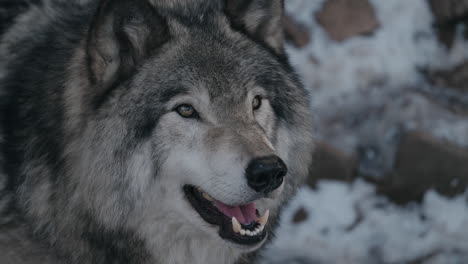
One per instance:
(425,163)
(296,33)
(300,216)
(343,19)
(330,163)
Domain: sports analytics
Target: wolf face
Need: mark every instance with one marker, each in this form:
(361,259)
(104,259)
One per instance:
(183,126)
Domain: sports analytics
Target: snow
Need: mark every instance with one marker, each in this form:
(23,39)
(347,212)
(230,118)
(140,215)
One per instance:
(352,224)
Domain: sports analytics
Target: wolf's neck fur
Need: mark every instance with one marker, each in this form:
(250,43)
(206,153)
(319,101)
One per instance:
(198,251)
(182,244)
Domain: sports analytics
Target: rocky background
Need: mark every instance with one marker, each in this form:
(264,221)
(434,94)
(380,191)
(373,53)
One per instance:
(405,139)
(388,82)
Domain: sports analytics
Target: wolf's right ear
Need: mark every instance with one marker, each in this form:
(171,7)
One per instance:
(123,33)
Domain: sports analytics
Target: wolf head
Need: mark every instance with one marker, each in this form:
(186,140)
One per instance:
(184,125)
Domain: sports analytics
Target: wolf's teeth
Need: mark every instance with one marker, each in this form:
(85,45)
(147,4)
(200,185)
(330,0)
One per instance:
(261,228)
(264,218)
(236,225)
(254,232)
(207,196)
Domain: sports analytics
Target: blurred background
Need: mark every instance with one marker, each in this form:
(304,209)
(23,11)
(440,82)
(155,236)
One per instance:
(388,82)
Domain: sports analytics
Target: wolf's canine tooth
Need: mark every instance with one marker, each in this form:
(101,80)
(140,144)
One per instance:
(236,226)
(264,218)
(207,196)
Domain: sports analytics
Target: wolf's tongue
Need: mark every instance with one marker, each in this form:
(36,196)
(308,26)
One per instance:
(245,214)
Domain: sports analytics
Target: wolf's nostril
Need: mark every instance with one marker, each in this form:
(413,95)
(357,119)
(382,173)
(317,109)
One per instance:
(266,174)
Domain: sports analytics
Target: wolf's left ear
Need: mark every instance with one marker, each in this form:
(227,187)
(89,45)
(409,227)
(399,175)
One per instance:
(261,19)
(123,33)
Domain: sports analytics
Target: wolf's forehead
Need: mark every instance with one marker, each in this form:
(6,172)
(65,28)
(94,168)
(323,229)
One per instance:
(229,75)
(227,87)
(226,69)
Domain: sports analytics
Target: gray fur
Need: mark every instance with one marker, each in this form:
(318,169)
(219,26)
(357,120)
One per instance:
(94,157)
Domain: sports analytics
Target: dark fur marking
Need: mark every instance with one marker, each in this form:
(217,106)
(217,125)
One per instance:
(145,125)
(23,116)
(168,94)
(145,129)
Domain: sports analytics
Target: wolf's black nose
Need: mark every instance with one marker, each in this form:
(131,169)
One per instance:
(266,174)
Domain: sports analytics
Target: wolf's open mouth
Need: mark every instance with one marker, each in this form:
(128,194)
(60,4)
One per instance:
(240,224)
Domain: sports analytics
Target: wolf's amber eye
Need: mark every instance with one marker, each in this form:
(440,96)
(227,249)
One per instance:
(256,103)
(186,111)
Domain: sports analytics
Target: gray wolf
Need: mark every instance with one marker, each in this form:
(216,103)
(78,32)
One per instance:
(147,131)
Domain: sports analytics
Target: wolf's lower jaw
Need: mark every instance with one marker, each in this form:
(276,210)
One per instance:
(241,225)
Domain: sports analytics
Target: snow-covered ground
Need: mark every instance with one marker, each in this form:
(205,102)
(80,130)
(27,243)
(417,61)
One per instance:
(364,91)
(351,224)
